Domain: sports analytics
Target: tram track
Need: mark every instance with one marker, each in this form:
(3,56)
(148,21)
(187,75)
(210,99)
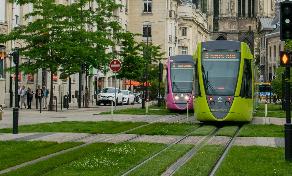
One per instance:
(159,152)
(225,151)
(192,152)
(43,158)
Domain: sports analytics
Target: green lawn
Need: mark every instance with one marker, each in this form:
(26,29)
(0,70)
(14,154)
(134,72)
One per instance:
(202,162)
(13,153)
(94,159)
(274,110)
(254,161)
(227,131)
(153,110)
(271,107)
(165,129)
(78,127)
(203,131)
(262,131)
(160,163)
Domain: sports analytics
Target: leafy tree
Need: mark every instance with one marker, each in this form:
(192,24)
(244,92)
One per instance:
(66,37)
(132,61)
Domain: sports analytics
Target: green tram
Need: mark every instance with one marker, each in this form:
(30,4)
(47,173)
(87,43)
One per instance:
(224,81)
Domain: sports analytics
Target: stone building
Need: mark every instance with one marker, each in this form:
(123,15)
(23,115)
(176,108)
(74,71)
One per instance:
(238,19)
(175,25)
(271,45)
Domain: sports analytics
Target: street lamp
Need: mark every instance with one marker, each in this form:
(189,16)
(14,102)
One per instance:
(148,58)
(15,55)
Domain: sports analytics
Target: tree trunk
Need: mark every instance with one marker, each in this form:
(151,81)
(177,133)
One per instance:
(51,105)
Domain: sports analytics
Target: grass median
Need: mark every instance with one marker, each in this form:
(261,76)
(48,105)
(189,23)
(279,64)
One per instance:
(94,159)
(160,163)
(274,110)
(13,153)
(254,161)
(153,110)
(108,127)
(227,131)
(165,129)
(262,131)
(202,162)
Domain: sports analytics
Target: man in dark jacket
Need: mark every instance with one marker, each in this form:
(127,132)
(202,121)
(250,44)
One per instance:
(38,97)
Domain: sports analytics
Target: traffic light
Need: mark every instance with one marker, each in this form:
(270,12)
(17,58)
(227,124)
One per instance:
(285,59)
(285,20)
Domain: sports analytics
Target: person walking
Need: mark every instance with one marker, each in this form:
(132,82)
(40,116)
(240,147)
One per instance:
(22,94)
(38,97)
(29,97)
(45,98)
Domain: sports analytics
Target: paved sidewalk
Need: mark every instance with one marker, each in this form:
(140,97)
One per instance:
(268,120)
(116,138)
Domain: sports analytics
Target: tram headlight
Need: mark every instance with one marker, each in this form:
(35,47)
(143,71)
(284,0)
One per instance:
(187,98)
(176,97)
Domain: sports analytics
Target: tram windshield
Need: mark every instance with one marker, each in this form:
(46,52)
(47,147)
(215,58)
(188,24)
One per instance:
(220,71)
(182,77)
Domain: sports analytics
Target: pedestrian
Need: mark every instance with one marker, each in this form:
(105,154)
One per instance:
(38,96)
(45,97)
(274,99)
(29,97)
(22,94)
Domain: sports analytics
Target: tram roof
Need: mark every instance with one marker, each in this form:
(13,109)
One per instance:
(182,58)
(221,45)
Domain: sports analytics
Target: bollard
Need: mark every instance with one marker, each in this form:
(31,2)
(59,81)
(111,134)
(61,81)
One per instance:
(266,109)
(112,108)
(188,111)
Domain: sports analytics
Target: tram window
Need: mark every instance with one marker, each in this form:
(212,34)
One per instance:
(246,85)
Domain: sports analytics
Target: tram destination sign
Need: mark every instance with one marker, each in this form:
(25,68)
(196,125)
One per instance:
(224,55)
(182,65)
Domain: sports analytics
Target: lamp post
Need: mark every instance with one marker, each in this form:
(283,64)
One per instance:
(146,55)
(15,55)
(159,82)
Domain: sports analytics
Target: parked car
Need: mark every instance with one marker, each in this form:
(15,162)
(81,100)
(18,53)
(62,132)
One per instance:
(128,97)
(107,95)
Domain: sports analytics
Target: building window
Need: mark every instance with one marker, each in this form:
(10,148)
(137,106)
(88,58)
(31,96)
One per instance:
(270,48)
(183,50)
(147,6)
(147,30)
(126,7)
(184,31)
(275,52)
(170,51)
(16,19)
(121,8)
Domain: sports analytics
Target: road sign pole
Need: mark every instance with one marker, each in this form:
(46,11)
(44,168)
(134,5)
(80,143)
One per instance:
(116,91)
(115,65)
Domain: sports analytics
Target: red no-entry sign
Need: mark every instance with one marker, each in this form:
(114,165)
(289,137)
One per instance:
(115,65)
